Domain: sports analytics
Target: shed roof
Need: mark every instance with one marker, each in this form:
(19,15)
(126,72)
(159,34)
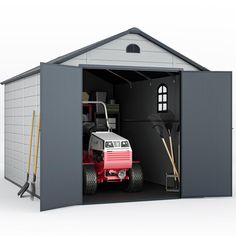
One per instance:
(83,50)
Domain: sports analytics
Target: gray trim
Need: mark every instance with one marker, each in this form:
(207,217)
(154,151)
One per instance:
(83,50)
(27,73)
(18,185)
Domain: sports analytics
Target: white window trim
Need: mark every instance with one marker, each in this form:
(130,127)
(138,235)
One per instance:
(162,98)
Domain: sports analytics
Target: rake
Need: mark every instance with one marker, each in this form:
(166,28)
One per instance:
(26,185)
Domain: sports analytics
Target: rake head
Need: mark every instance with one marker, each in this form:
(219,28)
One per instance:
(23,189)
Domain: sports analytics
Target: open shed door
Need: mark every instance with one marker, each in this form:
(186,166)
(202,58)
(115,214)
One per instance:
(206,134)
(61,136)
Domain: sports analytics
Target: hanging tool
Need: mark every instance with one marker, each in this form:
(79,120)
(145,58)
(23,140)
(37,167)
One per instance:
(159,130)
(35,161)
(169,127)
(26,185)
(167,121)
(159,124)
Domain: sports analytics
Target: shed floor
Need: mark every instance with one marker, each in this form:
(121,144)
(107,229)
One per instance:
(113,192)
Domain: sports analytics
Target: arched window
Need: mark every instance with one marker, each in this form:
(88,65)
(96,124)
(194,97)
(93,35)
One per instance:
(162,98)
(133,48)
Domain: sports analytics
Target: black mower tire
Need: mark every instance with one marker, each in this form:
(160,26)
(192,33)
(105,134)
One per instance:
(89,179)
(135,182)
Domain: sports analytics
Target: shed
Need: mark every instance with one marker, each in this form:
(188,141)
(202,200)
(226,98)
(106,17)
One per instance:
(137,77)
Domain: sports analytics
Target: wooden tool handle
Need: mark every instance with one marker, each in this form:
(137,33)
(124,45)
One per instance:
(37,148)
(171,160)
(30,142)
(172,152)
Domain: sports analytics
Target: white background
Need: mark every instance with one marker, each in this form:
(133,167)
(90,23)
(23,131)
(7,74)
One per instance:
(36,31)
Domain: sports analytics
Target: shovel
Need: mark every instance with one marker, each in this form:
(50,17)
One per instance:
(35,162)
(26,185)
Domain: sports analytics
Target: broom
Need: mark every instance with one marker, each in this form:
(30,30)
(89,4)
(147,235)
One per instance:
(35,162)
(26,185)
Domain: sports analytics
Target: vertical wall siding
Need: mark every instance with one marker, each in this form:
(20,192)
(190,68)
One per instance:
(21,98)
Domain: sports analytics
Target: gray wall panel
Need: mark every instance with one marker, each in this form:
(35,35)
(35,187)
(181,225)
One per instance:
(61,136)
(206,134)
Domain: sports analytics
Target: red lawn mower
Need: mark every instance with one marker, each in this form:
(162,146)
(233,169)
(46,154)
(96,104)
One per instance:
(107,157)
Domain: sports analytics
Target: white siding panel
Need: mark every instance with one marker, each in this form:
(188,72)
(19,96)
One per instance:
(121,44)
(135,37)
(18,120)
(179,63)
(17,111)
(31,91)
(28,110)
(186,67)
(16,85)
(76,61)
(114,53)
(14,94)
(30,101)
(8,112)
(21,98)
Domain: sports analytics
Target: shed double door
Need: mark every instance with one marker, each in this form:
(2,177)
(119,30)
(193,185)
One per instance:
(206,134)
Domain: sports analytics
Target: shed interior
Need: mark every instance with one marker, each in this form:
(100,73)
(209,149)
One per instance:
(136,92)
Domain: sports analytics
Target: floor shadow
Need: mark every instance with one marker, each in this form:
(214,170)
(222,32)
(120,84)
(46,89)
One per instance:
(115,192)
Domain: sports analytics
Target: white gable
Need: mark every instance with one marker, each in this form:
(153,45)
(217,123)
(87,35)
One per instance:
(114,53)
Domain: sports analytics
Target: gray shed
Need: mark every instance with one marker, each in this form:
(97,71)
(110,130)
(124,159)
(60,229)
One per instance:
(129,68)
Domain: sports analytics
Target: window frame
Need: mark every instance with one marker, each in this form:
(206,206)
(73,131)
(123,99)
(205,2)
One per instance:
(133,48)
(161,94)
